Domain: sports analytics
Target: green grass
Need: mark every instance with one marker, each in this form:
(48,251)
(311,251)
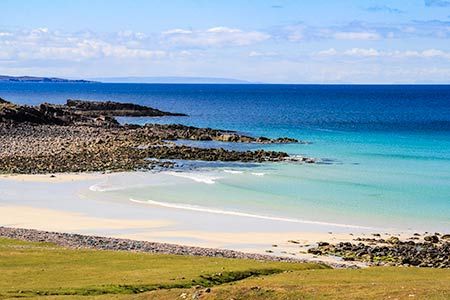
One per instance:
(46,271)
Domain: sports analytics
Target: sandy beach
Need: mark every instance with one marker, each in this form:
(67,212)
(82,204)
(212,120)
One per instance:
(65,203)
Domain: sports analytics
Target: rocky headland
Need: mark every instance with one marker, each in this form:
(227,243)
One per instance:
(85,136)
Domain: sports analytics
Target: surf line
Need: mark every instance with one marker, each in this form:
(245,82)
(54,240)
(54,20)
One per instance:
(242,214)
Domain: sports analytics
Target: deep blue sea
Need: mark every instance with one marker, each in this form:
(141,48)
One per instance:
(385,148)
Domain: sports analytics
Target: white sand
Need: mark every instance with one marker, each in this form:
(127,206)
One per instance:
(54,220)
(53,178)
(65,204)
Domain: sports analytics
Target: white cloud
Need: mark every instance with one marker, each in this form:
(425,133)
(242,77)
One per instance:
(294,33)
(435,53)
(370,52)
(364,31)
(362,52)
(328,52)
(213,37)
(222,29)
(356,36)
(177,31)
(304,32)
(41,43)
(262,54)
(128,34)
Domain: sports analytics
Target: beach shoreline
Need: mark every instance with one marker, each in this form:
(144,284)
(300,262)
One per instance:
(77,241)
(87,198)
(60,204)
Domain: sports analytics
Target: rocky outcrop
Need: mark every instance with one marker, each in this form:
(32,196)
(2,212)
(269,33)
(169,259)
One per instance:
(177,132)
(28,149)
(101,114)
(65,116)
(11,113)
(109,108)
(431,252)
(82,136)
(76,112)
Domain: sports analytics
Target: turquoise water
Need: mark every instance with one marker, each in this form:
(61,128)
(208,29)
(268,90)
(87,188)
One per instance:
(386,149)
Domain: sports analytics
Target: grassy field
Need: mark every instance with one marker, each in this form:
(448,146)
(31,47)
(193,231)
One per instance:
(50,272)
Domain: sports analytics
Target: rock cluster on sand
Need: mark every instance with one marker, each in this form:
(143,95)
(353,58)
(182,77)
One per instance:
(78,137)
(433,251)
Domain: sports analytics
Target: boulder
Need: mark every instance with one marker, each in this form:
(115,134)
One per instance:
(432,239)
(393,240)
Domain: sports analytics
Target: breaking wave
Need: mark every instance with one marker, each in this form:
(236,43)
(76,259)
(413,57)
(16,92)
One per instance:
(241,214)
(197,177)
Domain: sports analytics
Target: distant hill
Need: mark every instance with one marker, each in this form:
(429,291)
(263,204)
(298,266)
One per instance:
(4,78)
(135,79)
(169,79)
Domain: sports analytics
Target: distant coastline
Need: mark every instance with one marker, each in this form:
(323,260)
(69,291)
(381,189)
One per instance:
(171,79)
(5,78)
(131,79)
(197,80)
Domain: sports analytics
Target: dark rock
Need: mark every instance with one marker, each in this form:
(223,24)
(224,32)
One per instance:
(433,253)
(76,112)
(109,108)
(322,244)
(432,238)
(393,240)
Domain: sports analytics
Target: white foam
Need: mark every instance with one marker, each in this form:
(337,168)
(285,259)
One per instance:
(258,174)
(233,171)
(242,214)
(102,187)
(195,176)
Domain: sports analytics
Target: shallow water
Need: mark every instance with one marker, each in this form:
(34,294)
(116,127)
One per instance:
(386,150)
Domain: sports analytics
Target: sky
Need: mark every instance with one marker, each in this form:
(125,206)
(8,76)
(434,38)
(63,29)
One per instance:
(283,41)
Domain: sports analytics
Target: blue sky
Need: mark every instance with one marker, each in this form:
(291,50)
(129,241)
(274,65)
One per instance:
(359,41)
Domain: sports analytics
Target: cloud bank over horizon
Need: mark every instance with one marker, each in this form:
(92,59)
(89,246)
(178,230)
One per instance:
(385,44)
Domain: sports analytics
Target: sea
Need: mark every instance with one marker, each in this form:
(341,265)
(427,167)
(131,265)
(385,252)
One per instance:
(383,151)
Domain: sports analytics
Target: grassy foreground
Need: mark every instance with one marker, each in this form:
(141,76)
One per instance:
(49,272)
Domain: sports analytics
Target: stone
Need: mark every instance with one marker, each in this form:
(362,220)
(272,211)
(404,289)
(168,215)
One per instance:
(432,239)
(393,240)
(322,244)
